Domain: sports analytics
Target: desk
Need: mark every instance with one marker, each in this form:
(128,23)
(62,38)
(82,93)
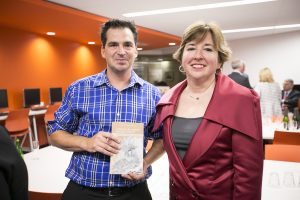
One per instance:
(47,172)
(269,130)
(282,191)
(47,175)
(33,113)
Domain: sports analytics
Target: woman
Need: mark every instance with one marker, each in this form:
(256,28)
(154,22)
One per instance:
(212,125)
(270,94)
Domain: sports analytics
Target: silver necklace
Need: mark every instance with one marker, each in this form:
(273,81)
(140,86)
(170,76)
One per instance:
(198,98)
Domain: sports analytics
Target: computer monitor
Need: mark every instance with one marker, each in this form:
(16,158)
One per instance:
(31,97)
(55,95)
(3,98)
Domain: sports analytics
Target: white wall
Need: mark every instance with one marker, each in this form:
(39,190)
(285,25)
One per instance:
(280,52)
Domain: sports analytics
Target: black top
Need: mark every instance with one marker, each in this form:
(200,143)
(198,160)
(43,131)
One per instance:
(13,171)
(183,130)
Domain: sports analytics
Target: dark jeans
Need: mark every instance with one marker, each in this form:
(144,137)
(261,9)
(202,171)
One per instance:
(75,191)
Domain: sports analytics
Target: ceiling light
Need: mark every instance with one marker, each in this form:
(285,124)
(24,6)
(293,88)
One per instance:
(172,43)
(139,49)
(51,33)
(91,43)
(261,28)
(197,7)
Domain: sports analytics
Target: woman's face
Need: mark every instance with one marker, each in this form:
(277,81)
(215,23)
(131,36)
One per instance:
(200,59)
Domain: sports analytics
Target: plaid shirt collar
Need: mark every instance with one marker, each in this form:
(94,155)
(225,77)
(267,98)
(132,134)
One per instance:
(102,79)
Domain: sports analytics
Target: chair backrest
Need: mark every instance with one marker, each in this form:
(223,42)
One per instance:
(281,137)
(49,115)
(282,152)
(17,120)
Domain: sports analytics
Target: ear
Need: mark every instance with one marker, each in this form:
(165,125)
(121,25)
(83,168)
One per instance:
(136,53)
(103,52)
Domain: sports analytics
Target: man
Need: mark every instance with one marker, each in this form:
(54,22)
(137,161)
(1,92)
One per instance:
(289,97)
(83,123)
(13,171)
(238,74)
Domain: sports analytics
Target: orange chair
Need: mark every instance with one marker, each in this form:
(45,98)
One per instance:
(18,125)
(49,115)
(281,137)
(282,152)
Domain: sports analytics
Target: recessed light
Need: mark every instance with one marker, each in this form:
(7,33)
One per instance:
(195,7)
(91,43)
(261,28)
(51,33)
(172,43)
(139,49)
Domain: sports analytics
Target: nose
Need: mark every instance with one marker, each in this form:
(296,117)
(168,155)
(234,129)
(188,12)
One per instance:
(198,54)
(121,50)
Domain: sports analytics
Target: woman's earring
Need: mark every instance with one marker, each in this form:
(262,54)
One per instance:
(181,69)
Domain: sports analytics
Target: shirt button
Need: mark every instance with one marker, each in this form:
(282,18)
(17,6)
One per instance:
(118,114)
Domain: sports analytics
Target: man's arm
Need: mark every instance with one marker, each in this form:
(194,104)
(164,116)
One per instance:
(102,142)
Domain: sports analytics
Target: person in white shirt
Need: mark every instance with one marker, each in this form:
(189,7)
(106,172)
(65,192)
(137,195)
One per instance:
(270,94)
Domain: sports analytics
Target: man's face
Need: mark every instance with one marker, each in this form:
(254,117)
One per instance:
(287,86)
(120,50)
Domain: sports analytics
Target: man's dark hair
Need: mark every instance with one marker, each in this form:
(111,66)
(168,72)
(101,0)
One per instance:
(114,24)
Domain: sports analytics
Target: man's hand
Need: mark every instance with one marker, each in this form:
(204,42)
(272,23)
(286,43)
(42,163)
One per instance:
(137,176)
(103,142)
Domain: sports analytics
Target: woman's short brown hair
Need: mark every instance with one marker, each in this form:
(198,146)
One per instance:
(198,31)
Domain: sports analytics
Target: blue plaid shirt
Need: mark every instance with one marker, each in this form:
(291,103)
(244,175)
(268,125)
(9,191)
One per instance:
(91,105)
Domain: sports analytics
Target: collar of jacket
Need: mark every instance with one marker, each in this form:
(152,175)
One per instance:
(231,105)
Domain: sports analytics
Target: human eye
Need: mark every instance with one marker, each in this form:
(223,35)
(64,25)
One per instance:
(190,48)
(128,45)
(209,49)
(113,44)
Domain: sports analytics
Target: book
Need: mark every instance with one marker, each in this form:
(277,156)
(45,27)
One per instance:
(130,156)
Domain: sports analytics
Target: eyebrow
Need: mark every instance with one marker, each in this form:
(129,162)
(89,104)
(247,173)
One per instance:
(194,44)
(115,42)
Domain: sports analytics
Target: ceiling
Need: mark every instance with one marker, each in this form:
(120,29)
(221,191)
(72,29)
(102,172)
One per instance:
(80,20)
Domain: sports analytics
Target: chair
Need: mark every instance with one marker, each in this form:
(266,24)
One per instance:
(18,125)
(49,115)
(281,137)
(282,152)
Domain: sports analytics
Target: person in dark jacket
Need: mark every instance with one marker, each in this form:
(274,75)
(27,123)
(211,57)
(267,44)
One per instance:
(13,171)
(238,74)
(289,96)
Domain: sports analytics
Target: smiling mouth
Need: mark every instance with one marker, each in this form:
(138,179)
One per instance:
(198,66)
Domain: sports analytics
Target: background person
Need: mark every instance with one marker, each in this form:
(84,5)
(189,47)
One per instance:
(270,94)
(211,125)
(289,96)
(238,74)
(13,171)
(83,122)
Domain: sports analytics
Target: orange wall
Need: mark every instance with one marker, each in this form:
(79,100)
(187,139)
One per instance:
(29,60)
